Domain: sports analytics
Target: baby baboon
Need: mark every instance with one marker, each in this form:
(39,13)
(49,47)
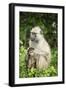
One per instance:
(31,58)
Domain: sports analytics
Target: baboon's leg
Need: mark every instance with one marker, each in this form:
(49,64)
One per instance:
(43,64)
(37,61)
(33,63)
(29,63)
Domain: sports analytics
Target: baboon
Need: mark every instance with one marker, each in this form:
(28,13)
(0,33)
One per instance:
(41,49)
(31,58)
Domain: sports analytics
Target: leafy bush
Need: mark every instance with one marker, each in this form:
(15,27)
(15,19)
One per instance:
(46,21)
(22,62)
(33,72)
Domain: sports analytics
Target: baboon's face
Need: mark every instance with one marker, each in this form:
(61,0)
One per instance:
(31,51)
(35,34)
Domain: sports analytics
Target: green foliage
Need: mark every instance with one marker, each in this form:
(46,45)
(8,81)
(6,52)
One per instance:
(46,21)
(33,72)
(22,62)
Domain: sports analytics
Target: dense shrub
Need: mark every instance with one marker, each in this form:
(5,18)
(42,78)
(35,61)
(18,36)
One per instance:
(33,72)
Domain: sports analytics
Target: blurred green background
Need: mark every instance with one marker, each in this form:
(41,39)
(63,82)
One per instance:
(49,25)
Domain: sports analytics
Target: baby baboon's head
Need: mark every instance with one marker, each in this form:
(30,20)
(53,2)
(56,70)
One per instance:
(31,51)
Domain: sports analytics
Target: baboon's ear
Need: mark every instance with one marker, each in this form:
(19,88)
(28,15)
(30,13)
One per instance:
(41,32)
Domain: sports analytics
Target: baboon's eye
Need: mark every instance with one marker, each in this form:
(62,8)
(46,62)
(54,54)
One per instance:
(33,33)
(41,32)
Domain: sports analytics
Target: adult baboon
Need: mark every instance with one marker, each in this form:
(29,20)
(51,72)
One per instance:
(41,49)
